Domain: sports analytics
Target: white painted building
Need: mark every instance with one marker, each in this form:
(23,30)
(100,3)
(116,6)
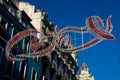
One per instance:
(35,15)
(85,75)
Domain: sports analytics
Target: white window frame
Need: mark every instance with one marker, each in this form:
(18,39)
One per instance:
(35,74)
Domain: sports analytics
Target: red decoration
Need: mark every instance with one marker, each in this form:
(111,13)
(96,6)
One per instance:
(94,26)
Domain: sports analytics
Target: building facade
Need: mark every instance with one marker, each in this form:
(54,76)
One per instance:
(57,65)
(85,75)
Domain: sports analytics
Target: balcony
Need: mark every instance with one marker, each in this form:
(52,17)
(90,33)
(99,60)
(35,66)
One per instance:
(54,65)
(58,72)
(65,77)
(11,11)
(5,5)
(69,66)
(73,72)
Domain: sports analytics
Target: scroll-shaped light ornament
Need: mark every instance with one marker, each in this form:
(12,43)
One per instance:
(94,25)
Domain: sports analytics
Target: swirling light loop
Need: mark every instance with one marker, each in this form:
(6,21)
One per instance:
(94,25)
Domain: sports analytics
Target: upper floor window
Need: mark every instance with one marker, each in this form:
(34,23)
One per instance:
(3,29)
(22,71)
(9,67)
(3,25)
(1,50)
(34,74)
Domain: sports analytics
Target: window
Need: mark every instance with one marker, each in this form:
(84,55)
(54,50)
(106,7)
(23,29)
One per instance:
(3,29)
(36,58)
(9,67)
(43,77)
(3,25)
(1,50)
(26,45)
(14,32)
(34,74)
(0,17)
(22,71)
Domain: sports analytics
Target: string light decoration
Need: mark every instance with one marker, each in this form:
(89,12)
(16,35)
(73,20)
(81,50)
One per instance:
(94,25)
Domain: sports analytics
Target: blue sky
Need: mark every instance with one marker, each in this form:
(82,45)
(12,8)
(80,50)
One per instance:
(102,59)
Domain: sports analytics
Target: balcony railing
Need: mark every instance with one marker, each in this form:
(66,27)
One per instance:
(54,65)
(73,71)
(7,7)
(4,4)
(11,11)
(64,61)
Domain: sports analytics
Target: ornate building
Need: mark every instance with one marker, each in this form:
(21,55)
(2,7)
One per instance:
(85,75)
(16,17)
